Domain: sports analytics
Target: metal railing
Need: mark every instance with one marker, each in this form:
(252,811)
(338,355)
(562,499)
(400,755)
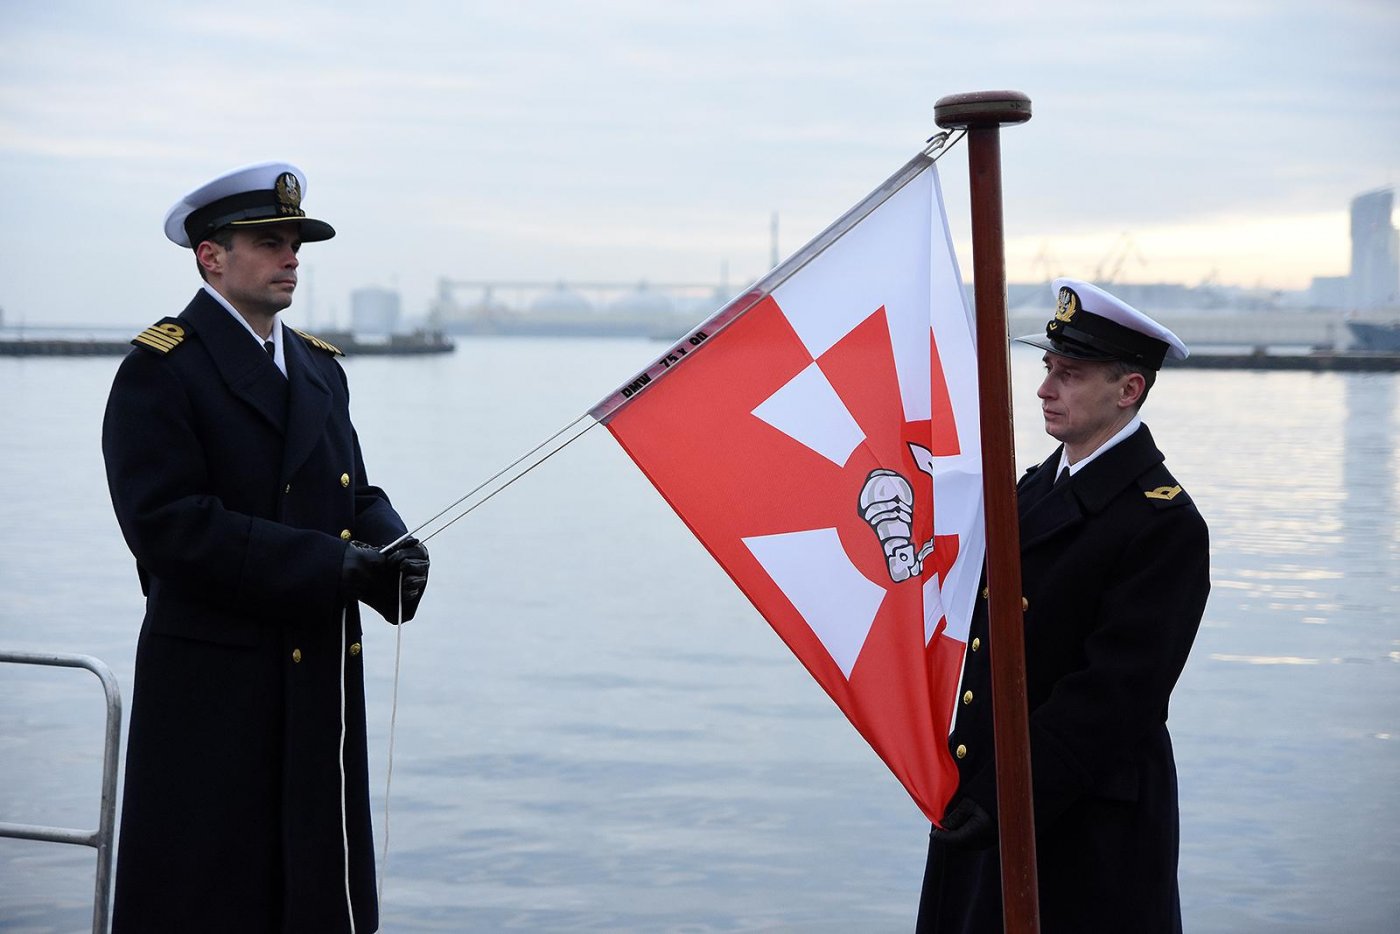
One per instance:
(101,838)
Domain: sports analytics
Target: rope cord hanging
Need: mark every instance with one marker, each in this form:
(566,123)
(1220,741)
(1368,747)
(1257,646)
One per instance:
(389,768)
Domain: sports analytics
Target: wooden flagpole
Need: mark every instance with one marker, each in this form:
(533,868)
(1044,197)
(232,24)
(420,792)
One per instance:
(982,113)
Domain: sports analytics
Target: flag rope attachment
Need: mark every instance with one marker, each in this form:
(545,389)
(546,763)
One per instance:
(941,141)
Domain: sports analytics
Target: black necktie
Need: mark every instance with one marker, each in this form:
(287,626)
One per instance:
(271,349)
(1062,478)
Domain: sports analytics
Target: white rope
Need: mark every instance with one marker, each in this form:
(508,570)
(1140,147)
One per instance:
(393,725)
(344,821)
(491,479)
(499,474)
(398,637)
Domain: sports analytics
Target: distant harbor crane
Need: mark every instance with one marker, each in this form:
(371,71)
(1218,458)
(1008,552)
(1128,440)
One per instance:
(1109,268)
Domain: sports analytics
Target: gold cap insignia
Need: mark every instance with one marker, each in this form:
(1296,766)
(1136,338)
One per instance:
(1065,309)
(288,190)
(1162,492)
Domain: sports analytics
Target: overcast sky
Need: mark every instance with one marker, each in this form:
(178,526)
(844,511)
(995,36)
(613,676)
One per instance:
(647,139)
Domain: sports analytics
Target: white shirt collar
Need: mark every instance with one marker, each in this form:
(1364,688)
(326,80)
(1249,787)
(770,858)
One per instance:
(1123,434)
(279,356)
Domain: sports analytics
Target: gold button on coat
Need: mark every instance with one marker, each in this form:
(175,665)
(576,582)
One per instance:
(961,751)
(345,479)
(345,534)
(967,697)
(976,644)
(355,649)
(296,655)
(1025,604)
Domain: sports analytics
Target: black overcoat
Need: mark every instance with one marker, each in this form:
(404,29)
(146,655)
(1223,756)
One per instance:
(1115,572)
(237,490)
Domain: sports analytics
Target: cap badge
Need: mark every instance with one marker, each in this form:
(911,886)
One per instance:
(288,191)
(1066,308)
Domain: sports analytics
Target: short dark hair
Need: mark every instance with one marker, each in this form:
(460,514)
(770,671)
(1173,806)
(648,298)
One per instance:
(1117,369)
(223,237)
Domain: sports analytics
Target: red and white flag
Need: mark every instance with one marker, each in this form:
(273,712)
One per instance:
(819,435)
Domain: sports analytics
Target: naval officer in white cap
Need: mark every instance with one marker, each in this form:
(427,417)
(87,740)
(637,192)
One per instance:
(1115,573)
(240,488)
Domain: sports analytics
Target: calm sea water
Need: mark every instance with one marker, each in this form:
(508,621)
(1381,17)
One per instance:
(596,732)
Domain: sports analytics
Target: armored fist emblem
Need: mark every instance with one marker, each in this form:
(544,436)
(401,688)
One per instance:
(887,504)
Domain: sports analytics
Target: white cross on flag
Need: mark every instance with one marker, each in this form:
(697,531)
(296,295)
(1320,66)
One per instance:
(821,440)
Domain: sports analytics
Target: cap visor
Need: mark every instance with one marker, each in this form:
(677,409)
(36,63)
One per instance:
(312,230)
(1073,351)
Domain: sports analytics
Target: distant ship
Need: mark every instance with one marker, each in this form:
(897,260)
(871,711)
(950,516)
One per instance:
(1374,336)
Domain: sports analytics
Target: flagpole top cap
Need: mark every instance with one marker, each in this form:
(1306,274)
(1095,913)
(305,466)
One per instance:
(981,108)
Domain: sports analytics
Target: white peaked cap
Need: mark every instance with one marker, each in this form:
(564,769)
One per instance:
(251,196)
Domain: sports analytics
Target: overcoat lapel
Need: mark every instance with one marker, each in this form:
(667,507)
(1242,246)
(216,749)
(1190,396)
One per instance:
(1119,466)
(1044,508)
(1089,491)
(310,404)
(247,371)
(1034,486)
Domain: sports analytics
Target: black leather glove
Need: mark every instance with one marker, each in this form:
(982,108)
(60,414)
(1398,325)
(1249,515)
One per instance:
(413,566)
(381,580)
(966,827)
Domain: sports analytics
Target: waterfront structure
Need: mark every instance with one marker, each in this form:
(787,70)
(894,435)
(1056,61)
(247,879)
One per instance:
(553,308)
(374,311)
(1329,291)
(1375,251)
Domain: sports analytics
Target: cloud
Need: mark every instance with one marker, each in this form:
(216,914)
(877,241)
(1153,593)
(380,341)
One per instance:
(554,140)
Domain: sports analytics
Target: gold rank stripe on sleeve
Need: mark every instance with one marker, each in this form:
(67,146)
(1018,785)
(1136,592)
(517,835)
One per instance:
(319,344)
(1162,492)
(162,337)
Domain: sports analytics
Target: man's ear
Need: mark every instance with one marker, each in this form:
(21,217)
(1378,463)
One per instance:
(1130,393)
(210,257)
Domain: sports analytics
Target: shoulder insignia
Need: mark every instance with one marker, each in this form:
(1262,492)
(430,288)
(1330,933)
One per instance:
(1163,492)
(319,344)
(162,337)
